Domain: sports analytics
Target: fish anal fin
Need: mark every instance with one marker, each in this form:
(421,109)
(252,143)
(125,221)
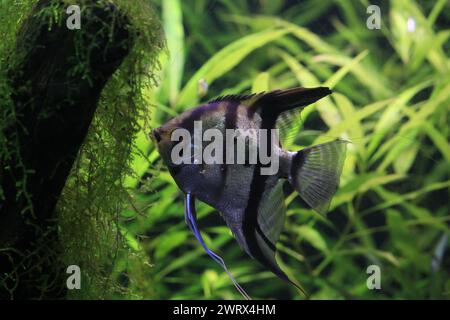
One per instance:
(271,213)
(261,236)
(269,261)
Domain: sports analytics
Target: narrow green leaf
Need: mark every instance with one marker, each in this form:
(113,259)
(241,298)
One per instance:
(312,236)
(261,82)
(173,28)
(438,139)
(225,60)
(342,72)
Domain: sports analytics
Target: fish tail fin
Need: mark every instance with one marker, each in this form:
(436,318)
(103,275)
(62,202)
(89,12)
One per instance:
(315,173)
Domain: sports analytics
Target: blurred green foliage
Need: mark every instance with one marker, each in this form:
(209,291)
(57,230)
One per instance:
(391,99)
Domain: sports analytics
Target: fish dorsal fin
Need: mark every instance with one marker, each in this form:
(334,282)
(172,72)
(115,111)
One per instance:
(233,97)
(272,104)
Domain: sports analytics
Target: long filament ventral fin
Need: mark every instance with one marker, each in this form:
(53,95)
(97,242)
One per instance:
(190,216)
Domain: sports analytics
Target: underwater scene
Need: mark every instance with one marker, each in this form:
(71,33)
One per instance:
(224,150)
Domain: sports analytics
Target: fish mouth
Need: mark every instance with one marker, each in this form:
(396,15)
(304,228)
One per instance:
(155,135)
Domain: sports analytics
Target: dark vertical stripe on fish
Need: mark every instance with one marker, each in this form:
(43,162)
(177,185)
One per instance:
(231,114)
(197,114)
(230,123)
(266,240)
(250,221)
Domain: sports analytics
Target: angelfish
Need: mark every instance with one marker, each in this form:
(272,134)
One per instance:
(252,204)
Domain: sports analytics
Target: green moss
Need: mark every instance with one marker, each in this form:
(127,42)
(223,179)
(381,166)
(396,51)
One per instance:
(88,209)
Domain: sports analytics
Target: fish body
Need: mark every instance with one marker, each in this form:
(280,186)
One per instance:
(252,203)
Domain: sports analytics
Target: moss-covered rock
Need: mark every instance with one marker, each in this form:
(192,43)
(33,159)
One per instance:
(62,164)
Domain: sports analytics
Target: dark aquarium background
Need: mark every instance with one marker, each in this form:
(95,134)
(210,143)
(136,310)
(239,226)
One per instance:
(82,187)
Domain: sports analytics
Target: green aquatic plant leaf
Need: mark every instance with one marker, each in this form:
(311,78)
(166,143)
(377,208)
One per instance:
(224,60)
(174,32)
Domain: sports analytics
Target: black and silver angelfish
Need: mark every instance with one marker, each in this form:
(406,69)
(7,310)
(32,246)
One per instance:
(252,203)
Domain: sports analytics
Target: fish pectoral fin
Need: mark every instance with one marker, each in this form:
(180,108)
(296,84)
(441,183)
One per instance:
(190,215)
